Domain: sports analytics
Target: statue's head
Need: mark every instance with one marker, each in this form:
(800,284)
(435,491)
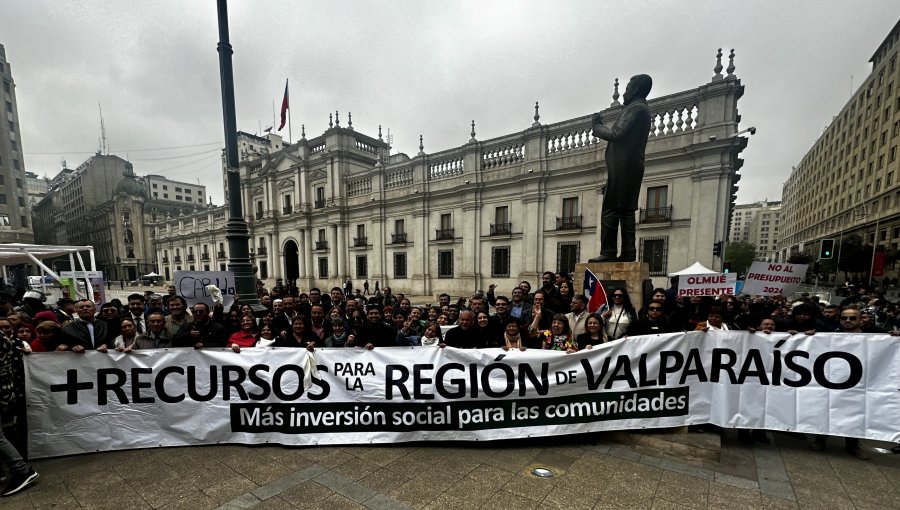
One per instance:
(638,88)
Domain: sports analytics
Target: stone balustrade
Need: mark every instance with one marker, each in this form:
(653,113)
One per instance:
(359,186)
(398,178)
(497,156)
(446,168)
(366,147)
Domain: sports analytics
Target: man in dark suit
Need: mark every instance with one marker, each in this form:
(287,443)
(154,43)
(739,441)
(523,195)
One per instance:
(85,333)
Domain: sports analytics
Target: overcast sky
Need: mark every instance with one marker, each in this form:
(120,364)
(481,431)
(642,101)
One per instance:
(417,67)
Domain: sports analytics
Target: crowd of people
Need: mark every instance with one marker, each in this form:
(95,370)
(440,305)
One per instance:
(551,316)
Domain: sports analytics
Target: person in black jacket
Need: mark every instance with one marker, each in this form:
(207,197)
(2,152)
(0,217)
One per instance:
(654,323)
(803,319)
(374,332)
(205,332)
(538,310)
(299,336)
(466,335)
(318,325)
(85,333)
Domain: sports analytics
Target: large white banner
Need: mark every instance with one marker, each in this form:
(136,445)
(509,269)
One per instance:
(836,384)
(772,278)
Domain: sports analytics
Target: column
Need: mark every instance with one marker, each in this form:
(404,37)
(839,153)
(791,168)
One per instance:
(533,236)
(465,259)
(272,245)
(376,239)
(342,254)
(418,259)
(303,193)
(309,268)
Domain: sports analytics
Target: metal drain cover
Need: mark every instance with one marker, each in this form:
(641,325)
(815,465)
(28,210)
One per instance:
(542,473)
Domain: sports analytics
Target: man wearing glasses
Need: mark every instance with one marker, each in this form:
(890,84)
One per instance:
(109,314)
(850,320)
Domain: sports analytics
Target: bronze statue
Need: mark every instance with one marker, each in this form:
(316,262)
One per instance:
(625,170)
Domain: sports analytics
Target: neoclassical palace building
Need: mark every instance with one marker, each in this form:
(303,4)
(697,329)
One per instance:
(339,206)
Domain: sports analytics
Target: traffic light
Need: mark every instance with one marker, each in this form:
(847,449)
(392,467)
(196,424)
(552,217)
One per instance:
(726,267)
(717,249)
(826,249)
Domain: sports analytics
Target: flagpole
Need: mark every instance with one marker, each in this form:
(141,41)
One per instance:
(290,137)
(273,116)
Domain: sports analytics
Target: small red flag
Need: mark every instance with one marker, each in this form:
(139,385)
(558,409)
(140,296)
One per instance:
(285,106)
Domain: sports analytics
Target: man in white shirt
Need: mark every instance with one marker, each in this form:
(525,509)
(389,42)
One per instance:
(578,315)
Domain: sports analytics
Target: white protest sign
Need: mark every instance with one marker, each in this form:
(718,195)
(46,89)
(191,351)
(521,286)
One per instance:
(769,278)
(839,384)
(191,285)
(706,284)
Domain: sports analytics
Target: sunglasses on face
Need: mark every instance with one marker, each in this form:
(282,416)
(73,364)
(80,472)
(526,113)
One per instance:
(618,295)
(654,308)
(849,318)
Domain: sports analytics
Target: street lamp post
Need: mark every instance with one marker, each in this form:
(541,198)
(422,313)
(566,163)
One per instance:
(874,245)
(236,233)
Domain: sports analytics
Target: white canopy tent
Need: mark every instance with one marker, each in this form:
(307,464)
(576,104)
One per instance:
(695,268)
(15,253)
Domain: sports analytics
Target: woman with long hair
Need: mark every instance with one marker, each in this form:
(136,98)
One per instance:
(431,336)
(233,321)
(566,293)
(619,315)
(593,333)
(298,336)
(485,333)
(357,319)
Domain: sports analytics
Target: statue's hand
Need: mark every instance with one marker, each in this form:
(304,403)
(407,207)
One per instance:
(597,119)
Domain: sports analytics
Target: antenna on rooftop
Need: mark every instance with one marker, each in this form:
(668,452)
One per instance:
(390,141)
(103,148)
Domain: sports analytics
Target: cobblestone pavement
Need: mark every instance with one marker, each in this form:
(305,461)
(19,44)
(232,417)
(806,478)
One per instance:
(591,472)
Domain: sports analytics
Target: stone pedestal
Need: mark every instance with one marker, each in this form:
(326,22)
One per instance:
(632,274)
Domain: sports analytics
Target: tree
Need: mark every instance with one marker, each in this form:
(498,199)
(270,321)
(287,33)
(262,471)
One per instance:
(740,255)
(855,257)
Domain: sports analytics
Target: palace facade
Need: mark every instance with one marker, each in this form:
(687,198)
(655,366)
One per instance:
(339,206)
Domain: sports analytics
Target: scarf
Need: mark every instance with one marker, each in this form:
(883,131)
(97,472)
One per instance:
(514,342)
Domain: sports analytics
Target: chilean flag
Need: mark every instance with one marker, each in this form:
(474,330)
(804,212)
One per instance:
(594,291)
(285,105)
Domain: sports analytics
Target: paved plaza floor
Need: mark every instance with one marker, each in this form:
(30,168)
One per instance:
(592,471)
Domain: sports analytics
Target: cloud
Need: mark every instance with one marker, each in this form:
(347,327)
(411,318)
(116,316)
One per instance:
(418,68)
